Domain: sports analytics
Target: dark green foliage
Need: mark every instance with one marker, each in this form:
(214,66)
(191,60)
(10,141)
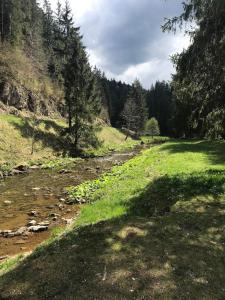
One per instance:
(115,94)
(134,113)
(159,102)
(82,95)
(199,84)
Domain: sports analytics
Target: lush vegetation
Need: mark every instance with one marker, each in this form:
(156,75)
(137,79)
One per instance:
(198,85)
(159,233)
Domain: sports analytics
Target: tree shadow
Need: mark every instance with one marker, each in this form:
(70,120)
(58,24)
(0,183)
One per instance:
(170,245)
(215,151)
(48,132)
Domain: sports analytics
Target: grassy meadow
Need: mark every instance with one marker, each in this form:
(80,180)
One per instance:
(154,229)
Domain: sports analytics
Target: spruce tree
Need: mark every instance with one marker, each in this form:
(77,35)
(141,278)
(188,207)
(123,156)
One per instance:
(135,111)
(82,94)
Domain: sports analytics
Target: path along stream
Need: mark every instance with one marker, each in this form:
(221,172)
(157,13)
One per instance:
(43,191)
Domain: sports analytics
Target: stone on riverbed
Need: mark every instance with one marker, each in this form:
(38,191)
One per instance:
(21,168)
(32,223)
(33,213)
(63,171)
(34,167)
(36,189)
(67,221)
(44,223)
(50,206)
(11,233)
(37,228)
(20,231)
(4,257)
(5,233)
(7,202)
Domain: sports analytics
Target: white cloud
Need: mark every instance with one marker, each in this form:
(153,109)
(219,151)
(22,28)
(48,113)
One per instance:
(124,38)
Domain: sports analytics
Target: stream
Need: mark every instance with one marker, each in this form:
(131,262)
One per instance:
(42,191)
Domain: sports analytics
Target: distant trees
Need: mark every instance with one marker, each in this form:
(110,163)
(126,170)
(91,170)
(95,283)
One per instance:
(159,103)
(152,127)
(134,113)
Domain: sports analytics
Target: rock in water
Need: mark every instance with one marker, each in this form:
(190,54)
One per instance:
(32,223)
(33,213)
(38,228)
(21,168)
(7,202)
(21,231)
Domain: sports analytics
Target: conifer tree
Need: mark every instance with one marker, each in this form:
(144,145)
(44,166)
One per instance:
(82,94)
(135,111)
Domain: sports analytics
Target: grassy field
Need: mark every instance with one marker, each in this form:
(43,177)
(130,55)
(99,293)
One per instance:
(16,135)
(155,229)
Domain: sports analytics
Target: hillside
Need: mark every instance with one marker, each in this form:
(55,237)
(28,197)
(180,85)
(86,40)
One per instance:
(25,84)
(17,134)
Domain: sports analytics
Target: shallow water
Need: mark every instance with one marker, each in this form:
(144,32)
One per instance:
(41,190)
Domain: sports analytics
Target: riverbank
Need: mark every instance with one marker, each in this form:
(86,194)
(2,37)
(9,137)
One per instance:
(154,229)
(24,143)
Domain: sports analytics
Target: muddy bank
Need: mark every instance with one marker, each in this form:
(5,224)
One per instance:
(42,192)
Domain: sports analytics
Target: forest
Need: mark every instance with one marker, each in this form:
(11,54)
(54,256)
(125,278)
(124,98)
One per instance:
(110,189)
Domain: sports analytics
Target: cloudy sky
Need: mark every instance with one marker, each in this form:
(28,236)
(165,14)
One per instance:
(124,37)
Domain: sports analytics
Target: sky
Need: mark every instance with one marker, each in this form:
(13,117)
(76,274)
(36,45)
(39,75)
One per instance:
(124,37)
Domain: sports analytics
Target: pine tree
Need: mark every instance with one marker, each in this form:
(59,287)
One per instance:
(82,94)
(135,112)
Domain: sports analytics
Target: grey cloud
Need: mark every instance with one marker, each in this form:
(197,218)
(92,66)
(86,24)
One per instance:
(123,31)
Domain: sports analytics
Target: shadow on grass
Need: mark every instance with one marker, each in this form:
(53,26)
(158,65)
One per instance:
(169,246)
(44,135)
(215,151)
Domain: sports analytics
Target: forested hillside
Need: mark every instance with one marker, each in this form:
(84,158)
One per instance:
(39,49)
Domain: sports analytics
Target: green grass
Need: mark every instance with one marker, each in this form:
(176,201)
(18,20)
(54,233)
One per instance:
(111,139)
(16,140)
(154,229)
